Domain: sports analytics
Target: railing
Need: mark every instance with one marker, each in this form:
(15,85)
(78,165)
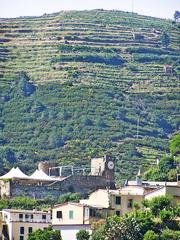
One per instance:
(71,170)
(30,220)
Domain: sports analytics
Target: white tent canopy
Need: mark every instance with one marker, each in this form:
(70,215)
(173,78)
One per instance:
(14,173)
(40,175)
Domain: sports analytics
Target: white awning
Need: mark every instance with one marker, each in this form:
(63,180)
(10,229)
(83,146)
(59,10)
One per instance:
(14,173)
(40,175)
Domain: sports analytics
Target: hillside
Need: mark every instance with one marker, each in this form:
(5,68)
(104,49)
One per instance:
(93,83)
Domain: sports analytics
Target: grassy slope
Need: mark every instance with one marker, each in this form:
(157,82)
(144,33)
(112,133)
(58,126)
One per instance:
(83,107)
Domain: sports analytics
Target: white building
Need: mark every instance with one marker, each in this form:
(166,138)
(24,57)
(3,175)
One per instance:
(18,224)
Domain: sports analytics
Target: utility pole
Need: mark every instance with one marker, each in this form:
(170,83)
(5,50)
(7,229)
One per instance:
(132,5)
(137,133)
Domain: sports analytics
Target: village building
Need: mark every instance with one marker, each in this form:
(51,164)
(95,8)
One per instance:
(172,191)
(107,199)
(70,217)
(18,224)
(138,190)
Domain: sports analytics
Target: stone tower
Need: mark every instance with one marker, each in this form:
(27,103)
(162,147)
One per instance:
(44,166)
(103,166)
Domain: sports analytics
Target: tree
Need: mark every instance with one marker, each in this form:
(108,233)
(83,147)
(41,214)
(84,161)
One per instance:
(150,235)
(166,215)
(10,156)
(174,145)
(101,123)
(98,228)
(69,197)
(165,39)
(166,163)
(87,122)
(157,204)
(169,234)
(98,234)
(143,219)
(25,87)
(82,235)
(125,228)
(45,234)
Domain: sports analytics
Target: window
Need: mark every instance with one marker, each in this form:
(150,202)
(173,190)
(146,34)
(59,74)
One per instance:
(71,213)
(21,230)
(86,212)
(59,214)
(130,203)
(92,212)
(20,216)
(44,217)
(118,200)
(31,216)
(118,213)
(21,238)
(30,229)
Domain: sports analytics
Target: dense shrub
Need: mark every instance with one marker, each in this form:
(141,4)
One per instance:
(112,60)
(150,235)
(82,235)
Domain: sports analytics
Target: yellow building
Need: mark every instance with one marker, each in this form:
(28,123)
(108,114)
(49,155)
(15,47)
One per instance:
(173,191)
(107,199)
(70,217)
(137,191)
(19,223)
(129,196)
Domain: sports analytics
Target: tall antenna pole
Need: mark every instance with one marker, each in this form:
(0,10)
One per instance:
(137,133)
(132,5)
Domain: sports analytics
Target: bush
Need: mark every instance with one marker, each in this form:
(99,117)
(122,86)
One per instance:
(144,220)
(150,235)
(166,163)
(175,144)
(82,235)
(45,234)
(168,234)
(166,215)
(157,204)
(69,197)
(112,60)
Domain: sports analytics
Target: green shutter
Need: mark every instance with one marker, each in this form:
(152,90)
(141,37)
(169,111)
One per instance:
(71,214)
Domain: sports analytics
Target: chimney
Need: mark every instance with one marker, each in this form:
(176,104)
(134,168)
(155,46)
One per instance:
(178,179)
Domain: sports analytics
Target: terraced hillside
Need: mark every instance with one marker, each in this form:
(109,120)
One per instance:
(96,85)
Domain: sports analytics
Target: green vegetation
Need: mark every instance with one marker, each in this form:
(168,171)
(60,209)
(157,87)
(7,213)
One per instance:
(80,84)
(159,203)
(82,235)
(150,235)
(29,203)
(174,146)
(167,169)
(69,197)
(152,224)
(26,203)
(165,39)
(45,234)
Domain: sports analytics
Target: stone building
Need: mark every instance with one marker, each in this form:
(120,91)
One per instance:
(40,185)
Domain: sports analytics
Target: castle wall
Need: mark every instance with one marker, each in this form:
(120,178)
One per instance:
(34,190)
(84,184)
(80,184)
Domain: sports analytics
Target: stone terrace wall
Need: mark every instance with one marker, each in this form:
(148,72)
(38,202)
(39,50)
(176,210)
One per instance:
(34,190)
(81,184)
